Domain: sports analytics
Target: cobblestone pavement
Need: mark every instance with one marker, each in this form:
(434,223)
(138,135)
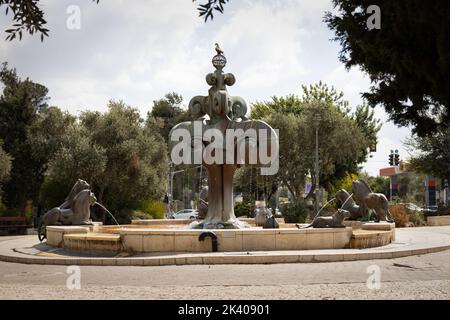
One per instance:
(416,277)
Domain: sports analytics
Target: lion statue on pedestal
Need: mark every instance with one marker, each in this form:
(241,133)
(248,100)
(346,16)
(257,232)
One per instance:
(74,211)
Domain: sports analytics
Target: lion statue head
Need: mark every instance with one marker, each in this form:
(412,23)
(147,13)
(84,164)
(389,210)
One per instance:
(81,207)
(77,187)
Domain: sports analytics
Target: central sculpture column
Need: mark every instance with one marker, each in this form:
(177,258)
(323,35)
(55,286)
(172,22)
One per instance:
(219,111)
(220,196)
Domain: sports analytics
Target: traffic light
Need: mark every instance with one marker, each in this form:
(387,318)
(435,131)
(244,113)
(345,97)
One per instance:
(396,159)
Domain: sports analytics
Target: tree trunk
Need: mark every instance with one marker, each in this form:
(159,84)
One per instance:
(291,190)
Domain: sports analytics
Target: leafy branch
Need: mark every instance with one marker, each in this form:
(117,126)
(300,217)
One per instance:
(206,10)
(27,16)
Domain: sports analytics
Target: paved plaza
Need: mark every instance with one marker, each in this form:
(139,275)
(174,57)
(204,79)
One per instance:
(424,276)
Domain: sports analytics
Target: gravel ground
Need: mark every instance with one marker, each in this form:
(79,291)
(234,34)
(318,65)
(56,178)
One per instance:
(416,277)
(435,289)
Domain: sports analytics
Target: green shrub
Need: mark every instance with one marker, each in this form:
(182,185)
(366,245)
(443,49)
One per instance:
(329,210)
(3,209)
(395,200)
(8,212)
(417,218)
(125,216)
(296,212)
(29,214)
(443,210)
(154,208)
(243,209)
(140,215)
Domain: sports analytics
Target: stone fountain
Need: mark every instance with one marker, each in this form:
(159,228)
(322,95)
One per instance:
(223,116)
(222,139)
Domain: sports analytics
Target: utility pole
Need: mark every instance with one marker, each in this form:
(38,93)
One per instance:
(170,184)
(316,119)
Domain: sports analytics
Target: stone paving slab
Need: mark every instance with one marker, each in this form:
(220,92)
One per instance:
(409,241)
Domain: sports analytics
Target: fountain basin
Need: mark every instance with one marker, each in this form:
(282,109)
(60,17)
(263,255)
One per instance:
(133,239)
(165,236)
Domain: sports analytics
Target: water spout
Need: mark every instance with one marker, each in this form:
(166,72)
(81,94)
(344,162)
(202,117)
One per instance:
(346,200)
(103,207)
(318,212)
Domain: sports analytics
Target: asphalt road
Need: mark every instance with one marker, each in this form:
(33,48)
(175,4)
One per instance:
(417,277)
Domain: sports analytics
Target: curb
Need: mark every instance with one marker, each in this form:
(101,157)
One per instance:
(220,258)
(409,242)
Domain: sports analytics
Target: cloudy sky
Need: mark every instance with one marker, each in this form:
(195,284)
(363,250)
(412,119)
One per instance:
(139,50)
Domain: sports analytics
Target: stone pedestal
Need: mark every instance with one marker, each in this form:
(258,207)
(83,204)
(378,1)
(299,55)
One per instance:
(438,221)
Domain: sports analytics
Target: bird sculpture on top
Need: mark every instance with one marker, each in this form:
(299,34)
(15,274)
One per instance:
(218,49)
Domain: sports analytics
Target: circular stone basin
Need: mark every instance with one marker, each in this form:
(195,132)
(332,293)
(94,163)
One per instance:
(170,235)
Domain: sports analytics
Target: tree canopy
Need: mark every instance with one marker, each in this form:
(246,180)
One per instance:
(44,150)
(166,113)
(344,138)
(22,104)
(431,154)
(5,169)
(122,158)
(5,164)
(407,59)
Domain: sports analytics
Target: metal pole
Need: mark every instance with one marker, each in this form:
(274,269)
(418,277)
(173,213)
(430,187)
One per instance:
(171,192)
(277,200)
(317,171)
(171,175)
(170,185)
(169,195)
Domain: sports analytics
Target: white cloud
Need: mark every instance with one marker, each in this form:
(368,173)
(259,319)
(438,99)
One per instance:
(139,50)
(122,51)
(264,42)
(353,83)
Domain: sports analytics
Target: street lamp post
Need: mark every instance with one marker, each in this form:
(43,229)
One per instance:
(170,183)
(316,119)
